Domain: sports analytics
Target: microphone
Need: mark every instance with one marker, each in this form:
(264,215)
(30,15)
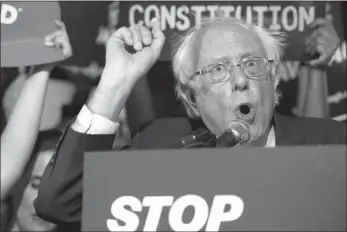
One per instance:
(237,133)
(172,133)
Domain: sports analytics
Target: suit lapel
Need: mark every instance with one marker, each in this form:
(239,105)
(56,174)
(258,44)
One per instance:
(287,131)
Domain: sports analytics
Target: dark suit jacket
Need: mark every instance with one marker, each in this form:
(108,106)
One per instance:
(60,193)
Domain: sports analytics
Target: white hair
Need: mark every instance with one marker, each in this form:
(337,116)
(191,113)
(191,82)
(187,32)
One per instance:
(184,58)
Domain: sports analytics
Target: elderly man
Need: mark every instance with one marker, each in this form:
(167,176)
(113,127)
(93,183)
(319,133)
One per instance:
(225,70)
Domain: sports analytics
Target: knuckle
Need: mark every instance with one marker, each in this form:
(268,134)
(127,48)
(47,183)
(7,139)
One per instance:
(144,29)
(134,27)
(146,33)
(122,29)
(134,30)
(114,35)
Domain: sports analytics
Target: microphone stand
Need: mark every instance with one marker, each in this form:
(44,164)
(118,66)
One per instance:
(210,142)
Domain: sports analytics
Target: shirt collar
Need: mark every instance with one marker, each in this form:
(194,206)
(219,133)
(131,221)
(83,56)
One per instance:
(271,138)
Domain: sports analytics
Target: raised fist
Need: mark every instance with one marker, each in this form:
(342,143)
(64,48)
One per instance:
(146,43)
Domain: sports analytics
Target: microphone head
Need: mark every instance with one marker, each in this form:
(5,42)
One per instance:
(241,130)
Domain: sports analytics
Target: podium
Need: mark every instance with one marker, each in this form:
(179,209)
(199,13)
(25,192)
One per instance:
(238,189)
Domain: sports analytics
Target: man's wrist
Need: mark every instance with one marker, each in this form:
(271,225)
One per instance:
(101,103)
(109,102)
(90,123)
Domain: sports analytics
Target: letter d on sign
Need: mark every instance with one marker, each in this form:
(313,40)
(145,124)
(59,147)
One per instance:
(217,214)
(9,14)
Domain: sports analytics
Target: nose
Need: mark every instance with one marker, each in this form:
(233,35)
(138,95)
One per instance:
(239,82)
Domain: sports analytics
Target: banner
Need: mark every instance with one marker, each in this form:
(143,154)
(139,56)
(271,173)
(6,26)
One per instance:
(176,18)
(254,189)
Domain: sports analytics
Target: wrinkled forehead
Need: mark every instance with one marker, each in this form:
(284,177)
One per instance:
(229,43)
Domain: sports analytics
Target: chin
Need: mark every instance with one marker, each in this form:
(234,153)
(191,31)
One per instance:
(256,133)
(259,128)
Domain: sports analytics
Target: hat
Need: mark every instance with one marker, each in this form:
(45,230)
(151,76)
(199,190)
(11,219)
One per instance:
(24,25)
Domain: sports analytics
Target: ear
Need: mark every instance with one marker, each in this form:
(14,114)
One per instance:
(275,78)
(276,81)
(192,99)
(191,106)
(274,75)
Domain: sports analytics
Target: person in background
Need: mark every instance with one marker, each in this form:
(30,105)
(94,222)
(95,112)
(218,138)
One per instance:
(312,79)
(19,135)
(25,218)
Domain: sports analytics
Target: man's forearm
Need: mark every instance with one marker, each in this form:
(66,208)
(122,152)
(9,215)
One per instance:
(303,81)
(109,103)
(20,133)
(101,113)
(316,104)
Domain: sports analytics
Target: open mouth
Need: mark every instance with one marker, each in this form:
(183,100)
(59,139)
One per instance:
(246,112)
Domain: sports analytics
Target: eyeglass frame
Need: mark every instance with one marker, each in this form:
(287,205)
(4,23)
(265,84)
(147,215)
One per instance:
(230,67)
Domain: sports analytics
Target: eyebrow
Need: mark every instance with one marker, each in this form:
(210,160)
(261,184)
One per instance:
(227,59)
(244,56)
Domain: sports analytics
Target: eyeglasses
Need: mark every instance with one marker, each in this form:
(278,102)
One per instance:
(254,68)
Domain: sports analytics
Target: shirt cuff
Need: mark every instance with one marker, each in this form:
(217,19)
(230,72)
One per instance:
(89,123)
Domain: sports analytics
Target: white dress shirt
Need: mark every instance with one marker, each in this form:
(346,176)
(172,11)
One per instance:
(271,138)
(89,123)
